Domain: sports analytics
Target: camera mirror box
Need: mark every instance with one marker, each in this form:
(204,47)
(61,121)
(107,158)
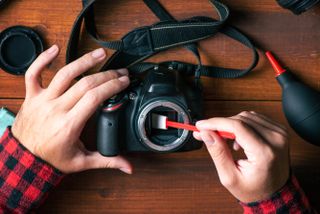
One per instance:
(19,47)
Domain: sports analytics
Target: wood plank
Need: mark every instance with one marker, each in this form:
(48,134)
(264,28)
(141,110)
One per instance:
(188,182)
(173,183)
(294,38)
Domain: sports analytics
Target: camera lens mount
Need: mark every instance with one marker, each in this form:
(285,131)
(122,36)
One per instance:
(178,142)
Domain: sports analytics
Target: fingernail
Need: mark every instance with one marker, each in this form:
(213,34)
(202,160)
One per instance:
(53,49)
(199,123)
(125,170)
(123,72)
(207,139)
(197,135)
(124,79)
(99,53)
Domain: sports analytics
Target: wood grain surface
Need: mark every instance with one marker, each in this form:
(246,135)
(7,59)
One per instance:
(187,182)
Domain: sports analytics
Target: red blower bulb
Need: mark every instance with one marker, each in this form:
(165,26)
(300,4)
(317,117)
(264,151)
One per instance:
(301,103)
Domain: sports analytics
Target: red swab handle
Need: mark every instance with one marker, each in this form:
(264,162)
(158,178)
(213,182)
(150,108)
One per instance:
(177,125)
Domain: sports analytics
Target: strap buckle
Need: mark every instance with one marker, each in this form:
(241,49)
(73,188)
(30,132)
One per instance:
(138,42)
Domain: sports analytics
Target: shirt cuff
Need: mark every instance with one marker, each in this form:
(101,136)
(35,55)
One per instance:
(290,199)
(25,179)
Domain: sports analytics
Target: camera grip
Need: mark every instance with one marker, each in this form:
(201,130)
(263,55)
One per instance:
(108,136)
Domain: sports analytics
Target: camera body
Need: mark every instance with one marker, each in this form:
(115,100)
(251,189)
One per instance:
(125,121)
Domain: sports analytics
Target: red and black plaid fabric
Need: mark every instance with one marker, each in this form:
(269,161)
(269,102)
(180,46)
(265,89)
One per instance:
(25,179)
(290,199)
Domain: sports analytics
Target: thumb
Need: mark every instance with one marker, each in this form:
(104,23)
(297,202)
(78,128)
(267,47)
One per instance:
(96,161)
(220,154)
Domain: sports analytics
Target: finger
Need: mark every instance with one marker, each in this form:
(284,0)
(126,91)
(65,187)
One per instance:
(263,122)
(220,155)
(74,94)
(66,75)
(271,136)
(33,75)
(245,135)
(96,161)
(88,104)
(197,136)
(267,119)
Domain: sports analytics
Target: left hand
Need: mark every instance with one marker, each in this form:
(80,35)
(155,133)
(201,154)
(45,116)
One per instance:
(51,119)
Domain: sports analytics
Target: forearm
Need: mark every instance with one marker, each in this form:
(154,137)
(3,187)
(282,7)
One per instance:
(290,199)
(25,180)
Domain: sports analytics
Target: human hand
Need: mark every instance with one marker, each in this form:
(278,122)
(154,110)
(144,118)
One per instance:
(51,119)
(265,144)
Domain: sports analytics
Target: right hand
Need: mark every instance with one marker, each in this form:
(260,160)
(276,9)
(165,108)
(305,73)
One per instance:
(51,119)
(265,143)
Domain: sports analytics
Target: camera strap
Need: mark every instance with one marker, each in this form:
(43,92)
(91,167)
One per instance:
(144,42)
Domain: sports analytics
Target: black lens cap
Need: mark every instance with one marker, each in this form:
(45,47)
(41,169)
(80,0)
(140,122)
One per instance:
(2,2)
(298,6)
(19,47)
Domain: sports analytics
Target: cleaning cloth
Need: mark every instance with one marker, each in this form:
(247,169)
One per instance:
(6,119)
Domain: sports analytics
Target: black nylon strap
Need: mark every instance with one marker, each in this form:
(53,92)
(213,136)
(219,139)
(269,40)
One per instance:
(72,47)
(144,42)
(158,10)
(150,39)
(163,15)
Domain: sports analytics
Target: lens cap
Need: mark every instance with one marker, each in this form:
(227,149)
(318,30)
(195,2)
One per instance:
(2,2)
(19,47)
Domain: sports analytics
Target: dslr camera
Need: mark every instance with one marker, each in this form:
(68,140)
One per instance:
(125,121)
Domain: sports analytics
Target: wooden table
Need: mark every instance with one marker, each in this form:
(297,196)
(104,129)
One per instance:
(179,183)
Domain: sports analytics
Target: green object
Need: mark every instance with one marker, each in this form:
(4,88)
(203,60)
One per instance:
(6,119)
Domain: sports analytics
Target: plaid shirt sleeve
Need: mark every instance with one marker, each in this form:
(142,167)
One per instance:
(290,199)
(25,180)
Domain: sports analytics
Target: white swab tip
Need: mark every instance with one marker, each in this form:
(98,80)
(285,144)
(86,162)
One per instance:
(159,121)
